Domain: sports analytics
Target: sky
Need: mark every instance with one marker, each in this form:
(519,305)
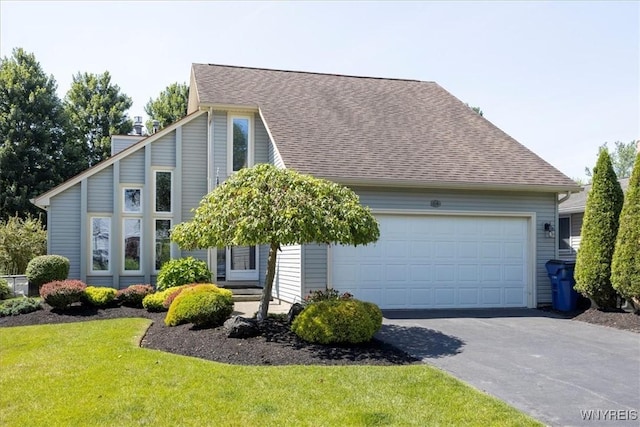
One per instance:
(561,78)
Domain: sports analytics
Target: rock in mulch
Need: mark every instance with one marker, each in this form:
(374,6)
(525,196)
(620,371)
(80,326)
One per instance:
(241,327)
(294,311)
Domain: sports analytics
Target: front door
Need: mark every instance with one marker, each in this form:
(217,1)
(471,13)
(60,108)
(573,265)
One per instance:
(242,263)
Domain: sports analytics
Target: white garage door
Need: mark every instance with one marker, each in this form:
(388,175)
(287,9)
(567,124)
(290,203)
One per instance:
(438,262)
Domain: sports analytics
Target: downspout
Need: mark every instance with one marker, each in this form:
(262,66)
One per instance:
(565,197)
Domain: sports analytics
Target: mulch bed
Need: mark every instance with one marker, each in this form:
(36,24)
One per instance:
(277,345)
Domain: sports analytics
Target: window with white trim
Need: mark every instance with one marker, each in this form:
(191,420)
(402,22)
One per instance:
(132,241)
(162,246)
(100,244)
(564,233)
(132,200)
(240,143)
(163,191)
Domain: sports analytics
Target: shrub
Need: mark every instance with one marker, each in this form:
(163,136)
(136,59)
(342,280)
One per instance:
(326,295)
(174,292)
(99,296)
(202,305)
(338,321)
(19,306)
(155,302)
(61,294)
(625,268)
(599,230)
(47,268)
(177,272)
(133,295)
(5,290)
(20,241)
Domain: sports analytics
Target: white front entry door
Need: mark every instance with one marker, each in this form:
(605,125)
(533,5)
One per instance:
(242,263)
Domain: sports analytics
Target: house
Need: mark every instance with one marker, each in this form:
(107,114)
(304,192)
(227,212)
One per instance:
(570,215)
(462,206)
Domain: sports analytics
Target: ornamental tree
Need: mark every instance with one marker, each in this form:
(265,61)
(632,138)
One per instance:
(625,268)
(264,205)
(599,230)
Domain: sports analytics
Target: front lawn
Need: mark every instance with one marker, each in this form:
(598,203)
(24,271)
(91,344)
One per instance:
(95,374)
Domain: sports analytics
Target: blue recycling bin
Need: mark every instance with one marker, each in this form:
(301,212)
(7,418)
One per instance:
(563,296)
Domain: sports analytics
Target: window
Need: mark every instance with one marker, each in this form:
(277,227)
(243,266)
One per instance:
(564,233)
(162,243)
(132,238)
(240,144)
(163,187)
(132,202)
(100,249)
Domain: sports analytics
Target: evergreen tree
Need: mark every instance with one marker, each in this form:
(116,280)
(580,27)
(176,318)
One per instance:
(599,230)
(169,107)
(625,269)
(96,109)
(31,134)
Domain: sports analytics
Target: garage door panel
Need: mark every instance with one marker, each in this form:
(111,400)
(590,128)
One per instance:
(438,261)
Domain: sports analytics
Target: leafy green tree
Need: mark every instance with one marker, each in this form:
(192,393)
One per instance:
(267,205)
(21,240)
(31,134)
(96,109)
(622,158)
(169,107)
(625,268)
(599,230)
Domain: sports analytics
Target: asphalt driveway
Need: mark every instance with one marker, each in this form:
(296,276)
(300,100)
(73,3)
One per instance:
(561,372)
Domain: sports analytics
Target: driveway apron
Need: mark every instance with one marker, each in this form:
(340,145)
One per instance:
(559,371)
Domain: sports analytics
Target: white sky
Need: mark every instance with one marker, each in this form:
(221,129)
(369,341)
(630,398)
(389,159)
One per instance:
(560,77)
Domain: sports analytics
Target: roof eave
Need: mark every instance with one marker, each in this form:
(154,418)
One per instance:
(358,182)
(204,106)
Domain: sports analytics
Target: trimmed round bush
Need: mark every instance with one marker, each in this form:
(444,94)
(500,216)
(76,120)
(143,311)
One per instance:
(155,302)
(133,295)
(182,271)
(338,321)
(47,268)
(202,305)
(5,290)
(61,294)
(172,293)
(18,306)
(99,296)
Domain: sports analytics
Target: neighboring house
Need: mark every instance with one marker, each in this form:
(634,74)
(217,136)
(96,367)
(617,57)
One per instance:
(570,215)
(462,206)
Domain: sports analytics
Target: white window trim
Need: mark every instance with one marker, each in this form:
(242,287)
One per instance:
(161,213)
(250,143)
(154,240)
(90,269)
(123,247)
(565,252)
(123,188)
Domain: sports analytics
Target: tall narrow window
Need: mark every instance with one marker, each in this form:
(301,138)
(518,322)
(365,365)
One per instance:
(163,191)
(240,143)
(100,249)
(132,202)
(132,235)
(163,242)
(564,237)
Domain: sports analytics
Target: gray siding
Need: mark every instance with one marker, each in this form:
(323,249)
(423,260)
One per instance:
(163,151)
(261,152)
(120,142)
(99,281)
(100,191)
(314,268)
(126,281)
(132,168)
(194,171)
(274,156)
(220,145)
(542,204)
(64,227)
(287,284)
(262,261)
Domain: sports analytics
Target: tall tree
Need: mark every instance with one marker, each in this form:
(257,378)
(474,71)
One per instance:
(97,109)
(599,230)
(169,107)
(625,268)
(622,158)
(31,134)
(275,207)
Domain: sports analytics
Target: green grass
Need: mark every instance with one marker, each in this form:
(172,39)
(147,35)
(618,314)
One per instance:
(94,374)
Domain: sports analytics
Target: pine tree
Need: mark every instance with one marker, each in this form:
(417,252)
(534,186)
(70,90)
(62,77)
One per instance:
(599,230)
(625,269)
(169,107)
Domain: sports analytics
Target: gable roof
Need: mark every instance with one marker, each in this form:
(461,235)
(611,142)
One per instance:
(577,202)
(43,200)
(370,131)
